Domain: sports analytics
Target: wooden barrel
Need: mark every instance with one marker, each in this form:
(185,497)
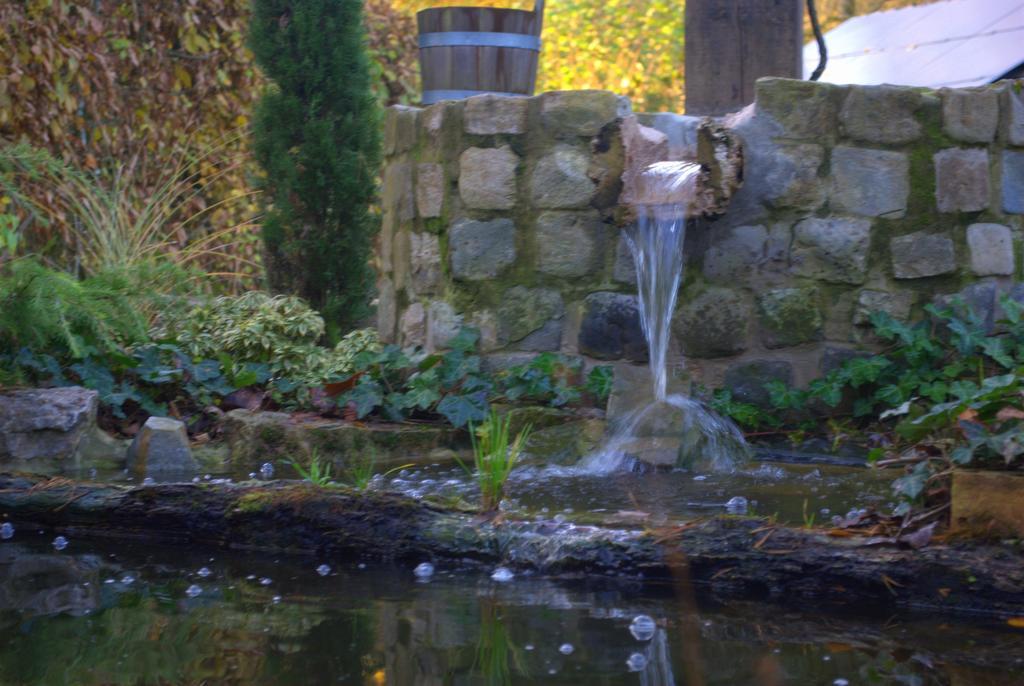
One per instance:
(466,51)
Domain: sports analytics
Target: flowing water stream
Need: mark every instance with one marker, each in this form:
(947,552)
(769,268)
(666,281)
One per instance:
(669,428)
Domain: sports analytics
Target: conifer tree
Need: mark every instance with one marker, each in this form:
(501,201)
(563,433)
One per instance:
(316,136)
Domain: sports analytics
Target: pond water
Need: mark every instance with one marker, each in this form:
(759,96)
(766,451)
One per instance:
(100,612)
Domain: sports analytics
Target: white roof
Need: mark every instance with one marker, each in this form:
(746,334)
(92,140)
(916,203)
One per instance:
(952,43)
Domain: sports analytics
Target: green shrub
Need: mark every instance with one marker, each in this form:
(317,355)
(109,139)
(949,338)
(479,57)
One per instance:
(494,456)
(316,136)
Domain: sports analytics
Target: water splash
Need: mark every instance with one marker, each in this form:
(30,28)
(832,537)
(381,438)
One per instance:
(672,426)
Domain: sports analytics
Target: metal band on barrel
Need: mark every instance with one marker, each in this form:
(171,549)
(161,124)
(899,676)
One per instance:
(430,97)
(480,39)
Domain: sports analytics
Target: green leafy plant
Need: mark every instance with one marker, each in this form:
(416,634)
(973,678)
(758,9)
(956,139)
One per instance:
(317,472)
(316,135)
(494,457)
(362,468)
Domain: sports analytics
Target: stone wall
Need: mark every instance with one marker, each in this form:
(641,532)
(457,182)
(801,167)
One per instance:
(504,213)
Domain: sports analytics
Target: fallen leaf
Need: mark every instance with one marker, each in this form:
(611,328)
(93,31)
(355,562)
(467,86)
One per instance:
(1009,412)
(944,592)
(890,583)
(919,538)
(762,540)
(968,415)
(1016,622)
(722,572)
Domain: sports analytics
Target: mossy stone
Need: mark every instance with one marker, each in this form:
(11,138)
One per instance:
(789,316)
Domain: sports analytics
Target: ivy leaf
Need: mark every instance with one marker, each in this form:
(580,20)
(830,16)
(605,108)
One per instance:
(465,341)
(461,409)
(367,397)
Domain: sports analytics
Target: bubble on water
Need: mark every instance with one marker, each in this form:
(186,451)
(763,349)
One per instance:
(361,565)
(636,662)
(148,481)
(552,671)
(252,475)
(528,647)
(502,574)
(110,581)
(544,510)
(6,531)
(276,599)
(127,579)
(701,477)
(825,511)
(566,649)
(736,505)
(827,658)
(567,510)
(424,570)
(841,682)
(267,470)
(560,518)
(193,591)
(204,572)
(323,570)
(207,477)
(266,581)
(251,577)
(643,627)
(195,479)
(60,543)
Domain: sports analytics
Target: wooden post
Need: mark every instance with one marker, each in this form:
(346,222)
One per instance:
(732,43)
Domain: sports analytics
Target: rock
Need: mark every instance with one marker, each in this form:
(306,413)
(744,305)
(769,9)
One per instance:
(430,187)
(485,322)
(922,254)
(793,180)
(896,304)
(547,338)
(491,114)
(633,389)
(734,252)
(970,114)
(1013,113)
(100,450)
(481,250)
(443,324)
(833,249)
(747,380)
(387,309)
(43,427)
(400,129)
(624,269)
(412,326)
(580,112)
(871,183)
(424,263)
(961,180)
(560,180)
(161,449)
(401,249)
(397,194)
(802,109)
(610,329)
(565,444)
(680,131)
(524,311)
(385,241)
(713,324)
(991,248)
(535,416)
(570,244)
(1013,182)
(882,114)
(643,146)
(833,358)
(487,178)
(789,316)
(976,301)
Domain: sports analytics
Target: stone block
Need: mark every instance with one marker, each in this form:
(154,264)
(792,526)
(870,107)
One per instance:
(789,316)
(1013,114)
(45,424)
(547,338)
(977,301)
(443,324)
(833,358)
(487,178)
(734,252)
(400,258)
(397,194)
(970,114)
(987,504)
(491,114)
(481,250)
(424,263)
(803,109)
(560,180)
(894,303)
(713,324)
(161,450)
(485,322)
(570,244)
(400,124)
(882,114)
(385,240)
(961,180)
(430,188)
(871,183)
(412,326)
(580,112)
(792,181)
(680,131)
(610,329)
(624,269)
(1013,182)
(922,254)
(991,248)
(747,380)
(524,311)
(833,249)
